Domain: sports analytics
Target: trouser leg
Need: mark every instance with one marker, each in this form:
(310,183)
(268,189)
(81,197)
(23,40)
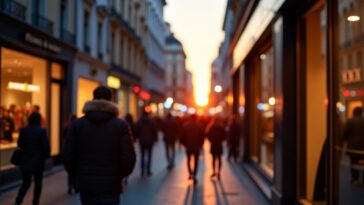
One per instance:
(142,149)
(38,178)
(354,173)
(189,155)
(149,150)
(26,177)
(173,153)
(196,155)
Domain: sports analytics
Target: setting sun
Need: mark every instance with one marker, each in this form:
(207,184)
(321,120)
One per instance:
(201,100)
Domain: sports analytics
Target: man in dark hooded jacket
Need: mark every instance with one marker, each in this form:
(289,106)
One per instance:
(99,150)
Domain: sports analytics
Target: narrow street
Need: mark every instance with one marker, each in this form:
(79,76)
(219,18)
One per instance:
(164,187)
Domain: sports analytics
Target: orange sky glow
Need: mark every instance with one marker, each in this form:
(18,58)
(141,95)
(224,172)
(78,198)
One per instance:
(198,25)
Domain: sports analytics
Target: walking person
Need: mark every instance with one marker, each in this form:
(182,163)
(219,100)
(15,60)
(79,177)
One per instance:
(99,150)
(71,178)
(233,139)
(192,138)
(216,136)
(34,146)
(146,133)
(9,126)
(129,119)
(170,132)
(353,134)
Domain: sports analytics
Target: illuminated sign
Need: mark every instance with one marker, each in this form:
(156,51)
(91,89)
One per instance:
(352,75)
(42,43)
(113,82)
(25,87)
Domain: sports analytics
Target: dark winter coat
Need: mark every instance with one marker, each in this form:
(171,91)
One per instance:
(354,133)
(146,132)
(234,135)
(99,150)
(216,135)
(170,130)
(192,136)
(34,145)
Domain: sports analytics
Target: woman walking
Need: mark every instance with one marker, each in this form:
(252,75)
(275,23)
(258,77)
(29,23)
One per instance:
(216,136)
(34,146)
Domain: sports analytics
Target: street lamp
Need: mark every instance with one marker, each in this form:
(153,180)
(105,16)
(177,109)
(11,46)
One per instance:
(218,88)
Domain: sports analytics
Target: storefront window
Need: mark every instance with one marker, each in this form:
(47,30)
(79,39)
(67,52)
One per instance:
(23,90)
(350,137)
(123,102)
(265,111)
(85,90)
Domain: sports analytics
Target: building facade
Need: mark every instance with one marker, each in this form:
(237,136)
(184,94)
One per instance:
(37,42)
(128,56)
(176,77)
(156,56)
(54,53)
(297,71)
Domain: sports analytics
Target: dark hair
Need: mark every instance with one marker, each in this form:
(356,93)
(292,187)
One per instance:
(34,118)
(102,93)
(358,111)
(193,117)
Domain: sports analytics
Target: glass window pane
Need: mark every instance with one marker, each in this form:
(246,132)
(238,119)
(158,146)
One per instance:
(57,71)
(266,111)
(350,138)
(23,90)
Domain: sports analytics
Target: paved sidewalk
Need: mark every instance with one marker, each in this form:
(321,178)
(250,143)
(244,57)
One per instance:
(163,187)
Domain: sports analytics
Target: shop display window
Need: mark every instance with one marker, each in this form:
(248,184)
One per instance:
(85,90)
(23,90)
(263,140)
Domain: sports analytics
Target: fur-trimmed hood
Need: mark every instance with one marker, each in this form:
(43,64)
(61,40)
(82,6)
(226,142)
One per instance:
(100,110)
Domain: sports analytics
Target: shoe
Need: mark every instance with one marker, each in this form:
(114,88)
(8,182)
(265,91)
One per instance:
(69,191)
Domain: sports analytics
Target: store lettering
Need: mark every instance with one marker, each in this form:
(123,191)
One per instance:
(352,76)
(29,38)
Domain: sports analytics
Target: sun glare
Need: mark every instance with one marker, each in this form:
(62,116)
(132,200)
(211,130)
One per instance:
(201,100)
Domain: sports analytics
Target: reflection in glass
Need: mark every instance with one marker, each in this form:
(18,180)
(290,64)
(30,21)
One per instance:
(350,138)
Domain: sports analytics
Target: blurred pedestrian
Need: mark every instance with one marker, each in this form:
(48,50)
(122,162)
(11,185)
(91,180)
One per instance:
(216,136)
(146,133)
(9,126)
(34,146)
(170,128)
(353,134)
(192,138)
(71,178)
(99,150)
(233,139)
(129,119)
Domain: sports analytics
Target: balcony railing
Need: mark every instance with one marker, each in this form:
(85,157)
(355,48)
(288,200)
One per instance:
(14,8)
(67,36)
(43,23)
